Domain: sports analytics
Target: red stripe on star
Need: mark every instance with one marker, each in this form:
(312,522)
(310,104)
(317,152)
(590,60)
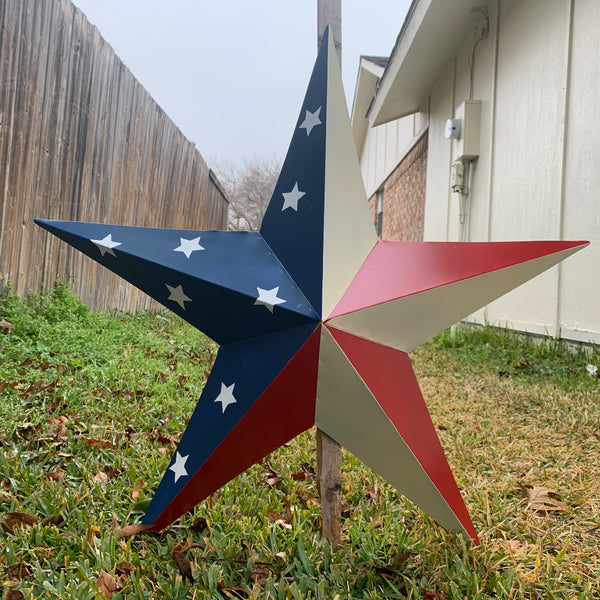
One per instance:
(398,269)
(389,375)
(284,410)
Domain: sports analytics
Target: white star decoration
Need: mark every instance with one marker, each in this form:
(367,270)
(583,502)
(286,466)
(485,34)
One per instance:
(178,467)
(290,199)
(268,298)
(106,244)
(177,295)
(226,396)
(188,246)
(311,120)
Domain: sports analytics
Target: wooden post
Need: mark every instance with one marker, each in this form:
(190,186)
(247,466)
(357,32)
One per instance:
(329,483)
(329,12)
(329,452)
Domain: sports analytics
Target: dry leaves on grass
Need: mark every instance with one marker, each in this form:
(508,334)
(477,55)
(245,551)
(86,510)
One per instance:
(135,494)
(18,571)
(101,478)
(17,518)
(181,560)
(106,584)
(284,521)
(270,476)
(543,500)
(234,591)
(6,326)
(131,530)
(184,565)
(259,575)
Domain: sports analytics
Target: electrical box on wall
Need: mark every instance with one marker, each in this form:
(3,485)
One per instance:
(467,146)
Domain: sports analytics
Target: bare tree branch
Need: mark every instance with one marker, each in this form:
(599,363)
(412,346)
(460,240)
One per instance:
(249,188)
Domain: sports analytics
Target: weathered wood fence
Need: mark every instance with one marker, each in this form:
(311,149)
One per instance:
(81,139)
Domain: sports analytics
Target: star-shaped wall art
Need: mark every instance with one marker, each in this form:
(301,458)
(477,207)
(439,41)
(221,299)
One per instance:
(314,318)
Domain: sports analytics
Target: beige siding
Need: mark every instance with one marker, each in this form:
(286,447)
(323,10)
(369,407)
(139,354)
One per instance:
(580,287)
(527,173)
(438,201)
(537,76)
(386,145)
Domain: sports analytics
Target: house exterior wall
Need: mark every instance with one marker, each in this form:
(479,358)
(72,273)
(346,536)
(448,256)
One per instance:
(404,196)
(386,146)
(537,75)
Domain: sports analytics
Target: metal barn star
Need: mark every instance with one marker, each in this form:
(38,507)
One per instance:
(314,318)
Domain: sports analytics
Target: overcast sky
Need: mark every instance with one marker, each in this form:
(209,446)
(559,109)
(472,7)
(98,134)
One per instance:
(232,74)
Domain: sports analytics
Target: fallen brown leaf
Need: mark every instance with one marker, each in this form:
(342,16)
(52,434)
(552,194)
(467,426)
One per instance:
(91,442)
(18,571)
(199,525)
(135,494)
(373,493)
(234,591)
(19,518)
(101,478)
(433,594)
(259,575)
(189,544)
(387,572)
(55,475)
(124,568)
(130,530)
(110,472)
(347,511)
(114,523)
(183,563)
(14,595)
(543,500)
(284,521)
(401,558)
(270,476)
(6,326)
(65,455)
(55,520)
(106,584)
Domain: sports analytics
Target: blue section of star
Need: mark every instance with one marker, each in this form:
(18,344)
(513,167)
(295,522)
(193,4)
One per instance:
(222,281)
(296,236)
(251,366)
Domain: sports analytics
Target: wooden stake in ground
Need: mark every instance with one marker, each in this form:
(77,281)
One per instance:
(329,482)
(329,452)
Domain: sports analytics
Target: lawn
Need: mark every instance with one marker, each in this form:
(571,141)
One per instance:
(93,406)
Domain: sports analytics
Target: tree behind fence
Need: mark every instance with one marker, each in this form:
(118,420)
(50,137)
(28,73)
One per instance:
(81,139)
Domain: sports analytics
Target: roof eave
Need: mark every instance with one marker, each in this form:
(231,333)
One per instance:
(369,73)
(432,33)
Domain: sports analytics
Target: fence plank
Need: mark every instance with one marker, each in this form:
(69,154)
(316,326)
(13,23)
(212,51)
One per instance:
(81,139)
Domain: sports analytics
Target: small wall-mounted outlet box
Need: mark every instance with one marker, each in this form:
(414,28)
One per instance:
(467,146)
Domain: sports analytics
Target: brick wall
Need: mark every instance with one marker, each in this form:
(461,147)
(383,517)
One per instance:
(404,197)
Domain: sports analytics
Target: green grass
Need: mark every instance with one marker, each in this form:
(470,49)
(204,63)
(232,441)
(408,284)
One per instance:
(93,404)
